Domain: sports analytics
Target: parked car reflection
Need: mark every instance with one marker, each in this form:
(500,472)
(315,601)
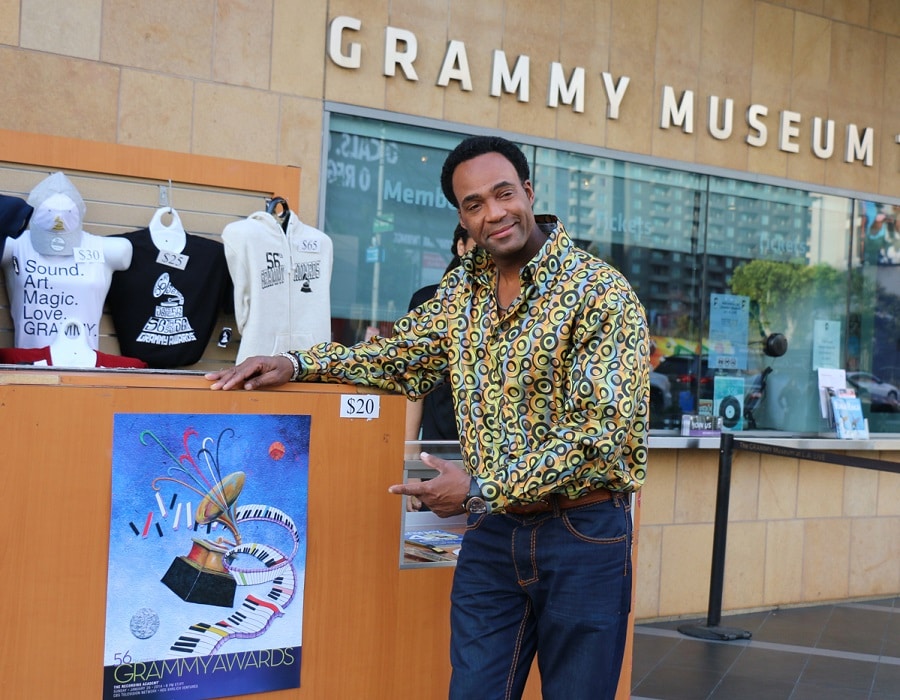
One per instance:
(690,377)
(880,395)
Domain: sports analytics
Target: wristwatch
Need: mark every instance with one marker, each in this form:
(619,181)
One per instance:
(474,501)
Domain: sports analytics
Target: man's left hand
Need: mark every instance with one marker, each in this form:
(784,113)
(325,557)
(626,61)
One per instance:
(445,493)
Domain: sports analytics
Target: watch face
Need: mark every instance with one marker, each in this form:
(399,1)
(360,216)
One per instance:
(476,505)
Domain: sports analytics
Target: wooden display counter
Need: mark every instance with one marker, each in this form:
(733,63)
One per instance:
(370,629)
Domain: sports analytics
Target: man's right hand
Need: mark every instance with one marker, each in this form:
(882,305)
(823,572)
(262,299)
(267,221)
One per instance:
(253,373)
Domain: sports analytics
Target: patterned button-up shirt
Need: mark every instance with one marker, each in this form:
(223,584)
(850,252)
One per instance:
(551,395)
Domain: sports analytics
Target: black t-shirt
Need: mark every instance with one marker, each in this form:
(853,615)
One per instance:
(164,315)
(15,213)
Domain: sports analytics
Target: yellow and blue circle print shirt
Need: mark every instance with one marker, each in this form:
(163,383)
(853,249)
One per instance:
(551,395)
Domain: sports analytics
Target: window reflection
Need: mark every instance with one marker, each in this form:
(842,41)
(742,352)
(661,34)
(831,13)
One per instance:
(822,270)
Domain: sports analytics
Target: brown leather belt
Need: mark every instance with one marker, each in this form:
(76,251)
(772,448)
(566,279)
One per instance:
(547,504)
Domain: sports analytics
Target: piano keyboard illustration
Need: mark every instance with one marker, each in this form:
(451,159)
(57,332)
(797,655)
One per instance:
(250,619)
(272,559)
(254,615)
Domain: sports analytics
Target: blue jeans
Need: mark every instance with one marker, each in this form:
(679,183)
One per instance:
(553,584)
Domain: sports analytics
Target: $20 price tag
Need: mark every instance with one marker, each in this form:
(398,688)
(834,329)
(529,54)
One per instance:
(360,406)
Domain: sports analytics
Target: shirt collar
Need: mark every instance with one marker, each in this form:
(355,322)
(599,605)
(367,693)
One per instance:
(541,270)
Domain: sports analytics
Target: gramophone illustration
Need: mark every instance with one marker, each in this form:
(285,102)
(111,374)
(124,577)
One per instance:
(201,575)
(168,318)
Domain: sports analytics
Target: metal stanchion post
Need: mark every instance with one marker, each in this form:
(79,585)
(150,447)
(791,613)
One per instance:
(712,629)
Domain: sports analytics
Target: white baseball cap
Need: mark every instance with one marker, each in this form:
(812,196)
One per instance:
(56,226)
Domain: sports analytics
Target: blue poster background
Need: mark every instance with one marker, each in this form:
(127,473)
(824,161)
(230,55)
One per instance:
(185,456)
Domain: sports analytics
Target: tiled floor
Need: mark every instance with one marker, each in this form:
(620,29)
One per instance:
(846,651)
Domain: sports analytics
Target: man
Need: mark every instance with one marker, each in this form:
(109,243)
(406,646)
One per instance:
(546,351)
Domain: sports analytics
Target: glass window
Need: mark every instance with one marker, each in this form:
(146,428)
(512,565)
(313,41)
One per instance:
(873,343)
(390,224)
(727,269)
(789,265)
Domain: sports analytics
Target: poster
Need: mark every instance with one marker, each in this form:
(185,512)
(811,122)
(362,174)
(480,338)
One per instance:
(207,555)
(826,351)
(728,318)
(728,401)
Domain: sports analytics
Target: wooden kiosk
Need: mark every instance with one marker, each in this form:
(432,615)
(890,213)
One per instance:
(370,629)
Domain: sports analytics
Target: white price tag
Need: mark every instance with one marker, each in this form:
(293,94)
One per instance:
(360,406)
(176,260)
(308,245)
(88,255)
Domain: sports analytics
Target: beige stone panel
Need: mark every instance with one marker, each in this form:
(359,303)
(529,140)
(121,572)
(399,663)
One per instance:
(298,47)
(585,43)
(885,17)
(726,57)
(767,159)
(874,557)
(857,58)
(534,119)
(636,128)
(850,11)
(888,159)
(9,22)
(649,553)
(423,97)
(820,490)
(677,65)
(778,488)
(70,28)
(810,6)
(726,54)
(855,175)
(826,552)
(658,491)
(888,164)
(533,28)
(810,69)
(745,566)
(169,36)
(365,85)
(57,95)
(242,46)
(301,145)
(888,493)
(726,153)
(743,500)
(810,89)
(677,49)
(155,111)
(695,486)
(773,44)
(684,573)
(860,492)
(481,39)
(632,46)
(784,562)
(233,122)
(806,168)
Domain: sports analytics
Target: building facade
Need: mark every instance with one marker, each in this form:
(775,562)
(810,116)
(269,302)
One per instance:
(738,160)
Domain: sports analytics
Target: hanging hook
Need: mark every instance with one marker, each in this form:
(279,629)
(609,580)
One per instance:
(272,205)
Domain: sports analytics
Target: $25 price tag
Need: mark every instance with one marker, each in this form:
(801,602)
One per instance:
(176,260)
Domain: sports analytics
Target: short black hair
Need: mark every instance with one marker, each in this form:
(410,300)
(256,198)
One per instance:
(475,146)
(459,234)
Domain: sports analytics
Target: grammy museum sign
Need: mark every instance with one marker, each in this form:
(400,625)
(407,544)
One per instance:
(676,111)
